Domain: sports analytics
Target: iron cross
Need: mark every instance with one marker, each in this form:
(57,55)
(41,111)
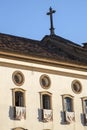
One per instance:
(51,20)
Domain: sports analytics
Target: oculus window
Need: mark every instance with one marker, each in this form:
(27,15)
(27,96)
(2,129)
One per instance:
(76,86)
(18,78)
(45,81)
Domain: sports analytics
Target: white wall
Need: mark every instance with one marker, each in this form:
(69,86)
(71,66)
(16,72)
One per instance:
(60,84)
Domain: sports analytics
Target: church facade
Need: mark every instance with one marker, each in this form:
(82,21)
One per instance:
(43,84)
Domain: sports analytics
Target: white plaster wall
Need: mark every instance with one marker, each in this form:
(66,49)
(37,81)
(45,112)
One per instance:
(59,85)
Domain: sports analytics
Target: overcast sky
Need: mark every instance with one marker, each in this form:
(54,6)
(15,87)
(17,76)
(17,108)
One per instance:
(27,18)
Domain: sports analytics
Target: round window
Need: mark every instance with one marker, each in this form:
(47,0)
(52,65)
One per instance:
(18,78)
(45,81)
(76,86)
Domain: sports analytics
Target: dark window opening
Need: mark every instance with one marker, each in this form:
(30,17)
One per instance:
(19,98)
(85,105)
(46,102)
(68,104)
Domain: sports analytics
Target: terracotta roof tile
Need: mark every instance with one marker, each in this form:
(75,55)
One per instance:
(51,47)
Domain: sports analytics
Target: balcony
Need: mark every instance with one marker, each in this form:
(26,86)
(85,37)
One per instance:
(47,115)
(19,113)
(69,117)
(84,119)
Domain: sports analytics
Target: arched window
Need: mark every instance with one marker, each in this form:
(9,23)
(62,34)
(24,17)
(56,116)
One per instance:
(46,106)
(45,100)
(68,103)
(84,108)
(84,105)
(18,97)
(19,103)
(68,108)
(19,128)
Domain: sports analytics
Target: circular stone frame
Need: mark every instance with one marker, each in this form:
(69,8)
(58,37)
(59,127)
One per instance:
(45,81)
(18,78)
(76,87)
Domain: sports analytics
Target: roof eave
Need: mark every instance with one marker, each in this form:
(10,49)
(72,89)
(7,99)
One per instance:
(41,60)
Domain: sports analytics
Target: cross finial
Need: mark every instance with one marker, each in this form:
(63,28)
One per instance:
(51,20)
